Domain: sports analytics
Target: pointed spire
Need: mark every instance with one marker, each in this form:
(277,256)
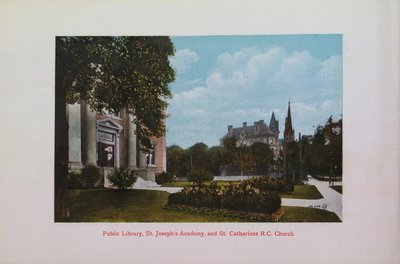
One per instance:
(288,134)
(273,124)
(273,119)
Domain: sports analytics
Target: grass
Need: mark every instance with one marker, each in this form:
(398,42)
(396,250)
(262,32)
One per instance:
(186,183)
(304,192)
(103,205)
(304,214)
(337,188)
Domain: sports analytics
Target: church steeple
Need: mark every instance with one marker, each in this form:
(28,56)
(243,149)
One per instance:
(288,134)
(273,124)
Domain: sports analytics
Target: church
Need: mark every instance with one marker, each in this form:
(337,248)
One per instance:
(108,140)
(247,135)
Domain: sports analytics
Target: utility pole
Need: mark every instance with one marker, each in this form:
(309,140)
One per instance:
(301,162)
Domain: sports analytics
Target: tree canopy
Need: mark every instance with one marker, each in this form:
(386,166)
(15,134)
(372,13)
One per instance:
(111,73)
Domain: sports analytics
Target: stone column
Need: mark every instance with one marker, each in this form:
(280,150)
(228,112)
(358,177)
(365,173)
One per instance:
(131,140)
(74,135)
(89,134)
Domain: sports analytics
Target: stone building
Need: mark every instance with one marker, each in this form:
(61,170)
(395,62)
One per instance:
(109,141)
(259,132)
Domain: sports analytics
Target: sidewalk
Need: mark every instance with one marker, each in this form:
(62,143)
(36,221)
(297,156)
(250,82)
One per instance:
(142,184)
(332,200)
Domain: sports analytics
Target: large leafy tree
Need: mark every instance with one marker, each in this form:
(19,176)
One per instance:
(198,154)
(110,73)
(263,156)
(177,163)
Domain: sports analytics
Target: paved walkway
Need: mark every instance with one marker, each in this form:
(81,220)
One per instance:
(142,184)
(332,200)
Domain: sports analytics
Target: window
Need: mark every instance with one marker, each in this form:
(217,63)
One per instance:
(151,156)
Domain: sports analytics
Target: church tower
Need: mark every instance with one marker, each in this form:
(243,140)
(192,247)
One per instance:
(273,124)
(288,134)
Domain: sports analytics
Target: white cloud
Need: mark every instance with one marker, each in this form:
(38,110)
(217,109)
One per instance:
(327,105)
(303,109)
(183,60)
(244,87)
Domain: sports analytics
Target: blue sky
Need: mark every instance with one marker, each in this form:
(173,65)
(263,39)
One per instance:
(228,80)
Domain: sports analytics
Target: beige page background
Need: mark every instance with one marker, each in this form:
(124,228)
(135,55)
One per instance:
(371,208)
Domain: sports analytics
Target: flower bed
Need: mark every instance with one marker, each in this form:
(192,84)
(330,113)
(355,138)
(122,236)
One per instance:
(246,216)
(254,195)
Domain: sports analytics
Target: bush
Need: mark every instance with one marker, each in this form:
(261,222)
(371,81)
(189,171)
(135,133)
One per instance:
(164,177)
(122,178)
(241,197)
(199,176)
(90,174)
(75,180)
(267,184)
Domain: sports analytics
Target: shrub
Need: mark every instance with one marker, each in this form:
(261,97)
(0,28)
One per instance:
(90,174)
(164,177)
(75,180)
(199,176)
(241,197)
(122,178)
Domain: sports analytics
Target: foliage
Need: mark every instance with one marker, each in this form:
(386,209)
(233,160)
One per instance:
(262,155)
(322,153)
(245,216)
(267,184)
(199,175)
(164,177)
(214,154)
(111,73)
(75,180)
(122,178)
(176,161)
(199,158)
(244,159)
(90,174)
(247,196)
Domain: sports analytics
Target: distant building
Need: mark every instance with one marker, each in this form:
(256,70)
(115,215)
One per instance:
(108,140)
(259,132)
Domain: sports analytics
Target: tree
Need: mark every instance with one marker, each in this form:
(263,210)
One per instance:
(228,151)
(333,144)
(214,155)
(176,161)
(110,73)
(263,156)
(243,159)
(198,156)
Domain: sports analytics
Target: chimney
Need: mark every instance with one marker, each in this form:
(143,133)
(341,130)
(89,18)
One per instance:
(257,126)
(230,130)
(244,124)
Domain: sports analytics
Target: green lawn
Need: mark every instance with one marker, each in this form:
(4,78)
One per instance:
(128,206)
(100,205)
(338,188)
(186,183)
(304,214)
(304,192)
